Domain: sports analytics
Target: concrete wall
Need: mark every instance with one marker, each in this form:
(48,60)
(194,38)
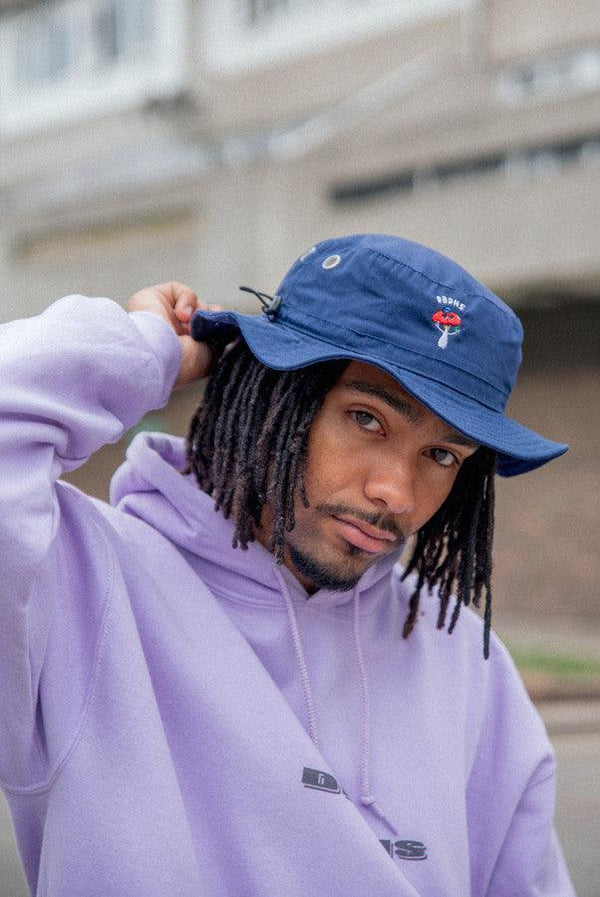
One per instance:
(517,29)
(302,84)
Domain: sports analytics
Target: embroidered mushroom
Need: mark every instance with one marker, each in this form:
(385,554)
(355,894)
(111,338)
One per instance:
(448,322)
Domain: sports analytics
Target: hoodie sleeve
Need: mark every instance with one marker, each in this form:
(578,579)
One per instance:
(511,793)
(71,380)
(531,862)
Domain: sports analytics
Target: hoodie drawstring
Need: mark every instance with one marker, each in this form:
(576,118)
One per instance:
(301,659)
(366,798)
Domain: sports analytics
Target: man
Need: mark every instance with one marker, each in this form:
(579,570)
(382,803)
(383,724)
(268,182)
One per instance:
(258,701)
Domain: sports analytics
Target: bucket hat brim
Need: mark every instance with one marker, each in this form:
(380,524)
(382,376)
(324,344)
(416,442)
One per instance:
(281,347)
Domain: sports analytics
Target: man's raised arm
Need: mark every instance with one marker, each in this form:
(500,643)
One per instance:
(71,380)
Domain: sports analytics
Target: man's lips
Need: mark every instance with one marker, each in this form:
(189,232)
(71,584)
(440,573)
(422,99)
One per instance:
(363,535)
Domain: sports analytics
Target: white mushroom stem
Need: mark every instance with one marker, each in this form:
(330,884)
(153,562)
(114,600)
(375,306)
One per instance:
(443,340)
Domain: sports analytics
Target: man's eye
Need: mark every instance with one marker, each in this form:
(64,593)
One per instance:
(443,457)
(366,420)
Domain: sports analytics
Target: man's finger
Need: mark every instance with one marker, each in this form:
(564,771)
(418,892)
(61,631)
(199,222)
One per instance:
(185,301)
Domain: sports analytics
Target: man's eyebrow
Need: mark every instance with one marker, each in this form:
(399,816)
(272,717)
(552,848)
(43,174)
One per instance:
(459,439)
(412,414)
(408,411)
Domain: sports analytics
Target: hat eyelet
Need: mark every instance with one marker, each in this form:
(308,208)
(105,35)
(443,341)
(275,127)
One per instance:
(332,261)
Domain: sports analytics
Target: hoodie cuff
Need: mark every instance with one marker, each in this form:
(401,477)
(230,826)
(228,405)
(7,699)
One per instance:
(164,345)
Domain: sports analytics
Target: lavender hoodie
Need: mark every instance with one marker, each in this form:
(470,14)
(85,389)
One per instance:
(178,719)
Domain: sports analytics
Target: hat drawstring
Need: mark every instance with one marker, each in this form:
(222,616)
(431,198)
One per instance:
(269,303)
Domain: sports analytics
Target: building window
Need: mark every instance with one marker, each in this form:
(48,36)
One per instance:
(63,40)
(574,72)
(123,29)
(60,58)
(43,49)
(256,11)
(538,162)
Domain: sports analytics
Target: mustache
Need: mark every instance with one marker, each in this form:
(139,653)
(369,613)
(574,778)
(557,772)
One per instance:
(381,521)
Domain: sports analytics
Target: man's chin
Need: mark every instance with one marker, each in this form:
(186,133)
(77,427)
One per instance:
(338,578)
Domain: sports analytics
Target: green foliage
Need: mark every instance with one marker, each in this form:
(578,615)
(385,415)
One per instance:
(552,664)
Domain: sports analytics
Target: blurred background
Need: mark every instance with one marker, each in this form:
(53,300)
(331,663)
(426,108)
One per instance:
(214,141)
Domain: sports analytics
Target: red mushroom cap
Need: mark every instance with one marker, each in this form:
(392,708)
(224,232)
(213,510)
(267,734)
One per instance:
(446,318)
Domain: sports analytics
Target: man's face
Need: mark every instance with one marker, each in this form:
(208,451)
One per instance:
(379,466)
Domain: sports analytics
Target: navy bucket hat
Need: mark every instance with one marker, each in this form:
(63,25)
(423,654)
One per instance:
(445,338)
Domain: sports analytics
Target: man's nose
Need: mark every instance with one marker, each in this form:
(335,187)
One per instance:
(392,486)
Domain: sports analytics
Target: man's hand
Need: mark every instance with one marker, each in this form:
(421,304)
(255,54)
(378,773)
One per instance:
(176,303)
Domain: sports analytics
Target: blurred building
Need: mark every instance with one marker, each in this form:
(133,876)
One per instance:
(213,141)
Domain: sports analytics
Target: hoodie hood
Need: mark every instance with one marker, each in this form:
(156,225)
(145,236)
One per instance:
(150,485)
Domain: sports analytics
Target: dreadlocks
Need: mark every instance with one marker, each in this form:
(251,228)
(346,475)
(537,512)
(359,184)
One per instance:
(248,445)
(248,440)
(453,550)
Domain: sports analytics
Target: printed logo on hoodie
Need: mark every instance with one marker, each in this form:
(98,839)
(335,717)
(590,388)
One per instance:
(405,850)
(324,781)
(321,781)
